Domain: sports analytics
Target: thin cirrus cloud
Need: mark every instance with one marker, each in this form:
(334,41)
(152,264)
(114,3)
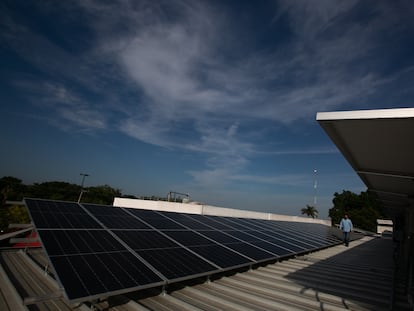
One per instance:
(181,74)
(184,74)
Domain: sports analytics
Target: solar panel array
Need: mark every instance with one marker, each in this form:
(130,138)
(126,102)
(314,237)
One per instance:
(101,250)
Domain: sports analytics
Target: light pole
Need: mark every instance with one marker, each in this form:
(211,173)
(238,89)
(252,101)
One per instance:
(82,189)
(315,186)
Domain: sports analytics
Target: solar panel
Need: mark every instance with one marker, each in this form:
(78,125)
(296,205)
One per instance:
(54,214)
(186,221)
(100,250)
(114,217)
(155,219)
(168,257)
(88,260)
(239,246)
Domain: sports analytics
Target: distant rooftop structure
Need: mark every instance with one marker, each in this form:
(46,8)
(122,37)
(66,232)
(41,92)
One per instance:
(384,225)
(210,210)
(385,222)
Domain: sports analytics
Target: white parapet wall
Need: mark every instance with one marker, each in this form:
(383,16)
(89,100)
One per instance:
(384,225)
(191,208)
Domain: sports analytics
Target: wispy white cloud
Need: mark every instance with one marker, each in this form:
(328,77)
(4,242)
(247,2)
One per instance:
(70,112)
(305,151)
(163,66)
(293,180)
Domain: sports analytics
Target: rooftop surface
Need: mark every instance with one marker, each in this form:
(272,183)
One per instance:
(358,277)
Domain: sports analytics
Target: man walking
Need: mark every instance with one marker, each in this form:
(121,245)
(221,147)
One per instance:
(346,226)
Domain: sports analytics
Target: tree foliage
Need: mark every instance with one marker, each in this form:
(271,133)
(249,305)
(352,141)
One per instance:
(363,209)
(101,194)
(310,211)
(12,189)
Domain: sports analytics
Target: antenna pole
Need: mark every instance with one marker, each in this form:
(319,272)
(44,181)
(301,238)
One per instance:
(315,187)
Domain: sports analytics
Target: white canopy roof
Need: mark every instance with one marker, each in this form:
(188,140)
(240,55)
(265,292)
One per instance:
(379,145)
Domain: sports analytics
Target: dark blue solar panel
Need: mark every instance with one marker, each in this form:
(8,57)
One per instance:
(176,263)
(221,256)
(239,246)
(54,214)
(286,237)
(67,242)
(172,260)
(189,238)
(115,217)
(187,221)
(211,222)
(218,254)
(155,219)
(94,274)
(274,239)
(276,247)
(97,249)
(235,223)
(145,239)
(84,255)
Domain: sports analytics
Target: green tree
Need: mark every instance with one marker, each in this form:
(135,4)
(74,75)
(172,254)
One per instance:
(363,209)
(12,189)
(54,190)
(310,211)
(18,214)
(101,195)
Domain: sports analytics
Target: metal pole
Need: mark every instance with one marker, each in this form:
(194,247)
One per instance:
(315,186)
(82,189)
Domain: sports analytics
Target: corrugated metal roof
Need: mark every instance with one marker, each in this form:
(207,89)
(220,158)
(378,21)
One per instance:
(358,277)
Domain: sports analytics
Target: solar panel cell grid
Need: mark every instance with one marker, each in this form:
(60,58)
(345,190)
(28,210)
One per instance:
(97,249)
(155,219)
(59,242)
(278,249)
(219,236)
(176,263)
(187,221)
(292,240)
(91,274)
(211,222)
(51,214)
(221,256)
(115,217)
(126,266)
(140,240)
(239,246)
(189,238)
(235,223)
(252,251)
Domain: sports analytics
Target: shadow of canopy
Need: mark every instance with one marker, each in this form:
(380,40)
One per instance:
(361,274)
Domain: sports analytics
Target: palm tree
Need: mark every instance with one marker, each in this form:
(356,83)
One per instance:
(310,211)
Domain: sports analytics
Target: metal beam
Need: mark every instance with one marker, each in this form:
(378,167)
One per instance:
(41,298)
(13,234)
(22,226)
(14,203)
(385,174)
(24,240)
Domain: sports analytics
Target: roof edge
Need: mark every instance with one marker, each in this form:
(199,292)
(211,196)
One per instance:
(366,114)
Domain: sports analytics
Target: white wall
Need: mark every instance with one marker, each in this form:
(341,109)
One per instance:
(209,210)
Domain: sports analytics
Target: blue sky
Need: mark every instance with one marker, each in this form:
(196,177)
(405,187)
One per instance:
(217,99)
